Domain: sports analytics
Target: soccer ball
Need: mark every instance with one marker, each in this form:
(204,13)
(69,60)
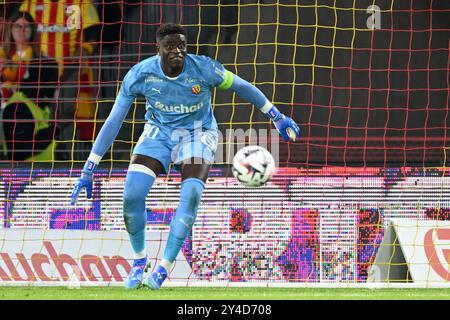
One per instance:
(253,166)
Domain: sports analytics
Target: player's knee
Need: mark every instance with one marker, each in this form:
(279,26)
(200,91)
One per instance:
(133,201)
(182,224)
(134,220)
(134,211)
(191,193)
(190,202)
(134,195)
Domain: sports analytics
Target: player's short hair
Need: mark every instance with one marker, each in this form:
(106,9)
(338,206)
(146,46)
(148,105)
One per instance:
(169,28)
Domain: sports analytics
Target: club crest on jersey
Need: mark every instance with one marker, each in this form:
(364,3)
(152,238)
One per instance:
(196,89)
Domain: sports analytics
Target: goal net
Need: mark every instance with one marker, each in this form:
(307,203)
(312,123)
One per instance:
(361,198)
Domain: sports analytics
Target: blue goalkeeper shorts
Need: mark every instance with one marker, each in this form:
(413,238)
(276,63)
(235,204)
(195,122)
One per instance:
(177,145)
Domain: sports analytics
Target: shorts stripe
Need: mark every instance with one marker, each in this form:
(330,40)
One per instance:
(141,168)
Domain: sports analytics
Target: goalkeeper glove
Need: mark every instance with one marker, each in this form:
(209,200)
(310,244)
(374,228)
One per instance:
(85,181)
(287,127)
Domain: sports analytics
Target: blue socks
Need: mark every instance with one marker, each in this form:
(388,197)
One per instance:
(137,186)
(184,218)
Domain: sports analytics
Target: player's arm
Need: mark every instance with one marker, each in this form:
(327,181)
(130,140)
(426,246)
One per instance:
(287,127)
(102,143)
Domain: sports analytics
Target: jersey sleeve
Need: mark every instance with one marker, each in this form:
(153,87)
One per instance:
(129,88)
(113,123)
(216,74)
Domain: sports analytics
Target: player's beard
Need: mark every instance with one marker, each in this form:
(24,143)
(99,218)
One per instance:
(176,65)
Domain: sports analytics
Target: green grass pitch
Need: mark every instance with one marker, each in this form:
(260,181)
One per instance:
(205,293)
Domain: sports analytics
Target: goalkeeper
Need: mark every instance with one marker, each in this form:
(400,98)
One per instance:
(180,128)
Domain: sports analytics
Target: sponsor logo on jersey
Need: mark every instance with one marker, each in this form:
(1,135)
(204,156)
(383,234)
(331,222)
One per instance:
(53,28)
(150,79)
(196,89)
(190,80)
(181,108)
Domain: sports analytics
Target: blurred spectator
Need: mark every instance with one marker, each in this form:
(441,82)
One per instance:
(2,37)
(2,23)
(69,32)
(28,85)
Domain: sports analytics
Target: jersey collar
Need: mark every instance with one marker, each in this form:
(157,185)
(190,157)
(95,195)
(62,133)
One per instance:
(171,78)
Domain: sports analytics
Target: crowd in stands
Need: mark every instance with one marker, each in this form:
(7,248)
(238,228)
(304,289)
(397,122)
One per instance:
(29,82)
(61,62)
(47,86)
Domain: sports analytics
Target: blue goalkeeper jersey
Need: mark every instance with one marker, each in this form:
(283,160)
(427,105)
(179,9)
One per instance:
(181,102)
